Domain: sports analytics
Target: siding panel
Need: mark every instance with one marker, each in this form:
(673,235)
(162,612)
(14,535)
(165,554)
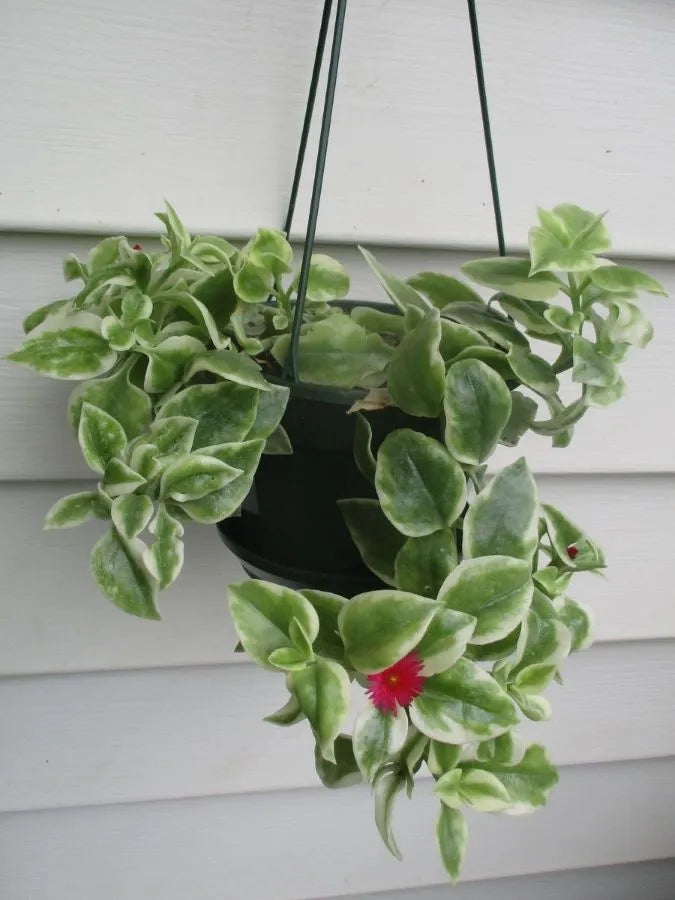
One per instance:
(308,844)
(633,436)
(147,735)
(53,619)
(204,105)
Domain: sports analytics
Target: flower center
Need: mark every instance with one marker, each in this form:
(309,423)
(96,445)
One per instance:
(398,685)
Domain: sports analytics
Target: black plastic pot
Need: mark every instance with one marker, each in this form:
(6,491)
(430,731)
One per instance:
(290,530)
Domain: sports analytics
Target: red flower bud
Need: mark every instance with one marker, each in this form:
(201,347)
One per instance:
(572,551)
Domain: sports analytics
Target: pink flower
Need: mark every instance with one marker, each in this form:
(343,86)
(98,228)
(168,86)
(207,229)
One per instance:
(397,685)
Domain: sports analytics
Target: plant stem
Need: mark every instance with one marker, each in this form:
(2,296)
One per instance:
(575,294)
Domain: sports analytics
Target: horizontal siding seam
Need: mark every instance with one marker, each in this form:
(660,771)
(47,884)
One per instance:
(204,798)
(45,229)
(216,666)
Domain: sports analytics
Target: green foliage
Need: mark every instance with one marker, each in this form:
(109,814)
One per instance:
(416,370)
(420,486)
(497,590)
(503,519)
(380,627)
(464,704)
(477,406)
(377,738)
(263,614)
(179,355)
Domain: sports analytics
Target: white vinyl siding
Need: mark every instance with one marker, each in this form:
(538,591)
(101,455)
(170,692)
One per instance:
(134,762)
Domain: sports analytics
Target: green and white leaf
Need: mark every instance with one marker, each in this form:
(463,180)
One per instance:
(544,639)
(344,772)
(324,693)
(144,460)
(591,366)
(70,348)
(489,322)
(290,714)
(530,313)
(533,371)
(363,454)
(423,563)
(461,705)
(606,396)
(167,361)
(269,412)
(74,509)
(503,520)
(288,659)
(336,352)
(457,338)
(563,320)
(512,275)
(526,783)
(198,312)
(416,372)
(477,407)
(278,443)
(378,321)
(100,437)
(399,292)
(452,835)
(497,590)
(131,513)
(225,411)
(567,239)
(164,559)
(379,628)
(231,366)
(116,334)
(224,502)
(493,357)
(481,790)
(443,289)
(136,307)
(377,737)
(422,489)
(445,640)
(578,619)
(327,606)
(118,397)
(193,476)
(117,568)
(533,706)
(375,537)
(622,279)
(328,279)
(523,412)
(534,679)
(119,478)
(262,613)
(253,283)
(442,757)
(173,436)
(270,250)
(564,533)
(385,791)
(626,324)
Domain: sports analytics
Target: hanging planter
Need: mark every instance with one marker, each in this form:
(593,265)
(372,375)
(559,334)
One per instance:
(290,528)
(341,449)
